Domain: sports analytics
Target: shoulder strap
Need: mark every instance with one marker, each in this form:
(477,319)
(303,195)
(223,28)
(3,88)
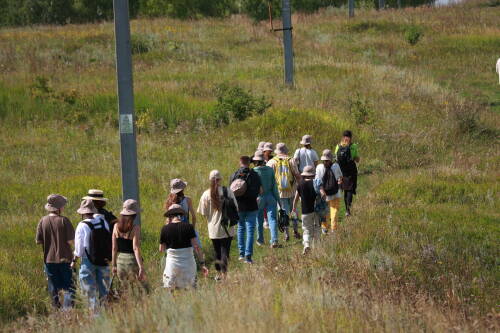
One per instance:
(224,192)
(89,224)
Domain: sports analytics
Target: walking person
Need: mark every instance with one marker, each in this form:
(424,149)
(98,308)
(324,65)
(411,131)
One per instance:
(211,207)
(347,158)
(178,240)
(246,186)
(94,246)
(99,201)
(287,177)
(267,200)
(56,235)
(330,177)
(127,260)
(306,155)
(310,221)
(177,196)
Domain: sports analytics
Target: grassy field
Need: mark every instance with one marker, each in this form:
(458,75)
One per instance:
(421,251)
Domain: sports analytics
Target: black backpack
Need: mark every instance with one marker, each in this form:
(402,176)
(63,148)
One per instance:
(330,184)
(100,248)
(230,214)
(283,220)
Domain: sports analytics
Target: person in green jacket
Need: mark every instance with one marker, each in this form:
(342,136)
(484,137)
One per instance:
(267,200)
(347,157)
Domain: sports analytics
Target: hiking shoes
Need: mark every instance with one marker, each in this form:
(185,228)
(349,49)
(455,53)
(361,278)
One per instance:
(324,231)
(306,250)
(297,235)
(259,243)
(241,258)
(347,214)
(248,260)
(287,237)
(276,245)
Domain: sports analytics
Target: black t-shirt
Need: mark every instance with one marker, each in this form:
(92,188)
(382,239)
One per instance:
(248,201)
(307,196)
(108,216)
(177,235)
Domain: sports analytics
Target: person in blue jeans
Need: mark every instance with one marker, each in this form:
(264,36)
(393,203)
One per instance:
(247,206)
(267,201)
(94,279)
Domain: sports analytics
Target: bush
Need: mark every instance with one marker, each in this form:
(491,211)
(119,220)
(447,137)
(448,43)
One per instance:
(413,34)
(360,109)
(236,104)
(142,43)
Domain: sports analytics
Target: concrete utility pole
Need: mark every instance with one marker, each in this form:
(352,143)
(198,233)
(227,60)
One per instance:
(399,4)
(351,8)
(381,4)
(286,13)
(128,145)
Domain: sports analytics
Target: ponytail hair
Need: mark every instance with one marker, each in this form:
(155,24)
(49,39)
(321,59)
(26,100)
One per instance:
(173,198)
(214,195)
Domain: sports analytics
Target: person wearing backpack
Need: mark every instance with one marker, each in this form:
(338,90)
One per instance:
(93,245)
(287,177)
(56,235)
(267,200)
(218,205)
(307,195)
(97,197)
(330,177)
(306,155)
(347,157)
(246,186)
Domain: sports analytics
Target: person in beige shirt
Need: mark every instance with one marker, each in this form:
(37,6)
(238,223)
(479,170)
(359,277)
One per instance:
(210,207)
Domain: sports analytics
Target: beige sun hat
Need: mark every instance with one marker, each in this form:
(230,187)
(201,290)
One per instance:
(261,145)
(174,209)
(281,149)
(177,185)
(327,155)
(258,156)
(309,171)
(306,140)
(87,207)
(55,202)
(268,147)
(214,174)
(95,194)
(130,207)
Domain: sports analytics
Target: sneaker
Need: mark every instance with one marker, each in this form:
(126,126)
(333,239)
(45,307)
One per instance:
(287,238)
(324,231)
(248,260)
(241,258)
(307,249)
(347,214)
(259,243)
(276,245)
(218,277)
(297,235)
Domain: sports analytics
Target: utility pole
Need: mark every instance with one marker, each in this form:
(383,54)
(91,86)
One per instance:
(286,13)
(381,4)
(399,4)
(128,145)
(351,8)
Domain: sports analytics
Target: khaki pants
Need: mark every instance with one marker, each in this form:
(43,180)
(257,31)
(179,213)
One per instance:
(333,216)
(310,229)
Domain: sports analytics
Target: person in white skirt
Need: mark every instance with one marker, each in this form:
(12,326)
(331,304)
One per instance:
(179,241)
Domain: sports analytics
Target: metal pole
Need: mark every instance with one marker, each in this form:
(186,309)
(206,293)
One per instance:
(399,4)
(286,12)
(381,4)
(351,8)
(128,145)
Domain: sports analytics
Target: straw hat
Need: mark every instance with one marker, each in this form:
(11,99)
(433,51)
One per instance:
(55,202)
(177,185)
(214,174)
(306,140)
(327,155)
(94,194)
(258,156)
(130,207)
(87,207)
(174,209)
(309,171)
(268,147)
(281,149)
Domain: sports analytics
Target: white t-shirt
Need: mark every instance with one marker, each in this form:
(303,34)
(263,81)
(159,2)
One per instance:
(305,157)
(320,173)
(214,217)
(82,234)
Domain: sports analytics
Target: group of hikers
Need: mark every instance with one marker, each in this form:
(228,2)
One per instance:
(263,193)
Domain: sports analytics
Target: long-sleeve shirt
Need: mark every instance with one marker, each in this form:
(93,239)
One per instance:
(268,181)
(82,234)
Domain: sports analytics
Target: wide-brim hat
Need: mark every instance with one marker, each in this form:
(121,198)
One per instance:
(94,194)
(268,147)
(177,185)
(306,140)
(327,155)
(130,207)
(261,145)
(87,207)
(309,171)
(174,209)
(281,149)
(258,156)
(214,174)
(55,202)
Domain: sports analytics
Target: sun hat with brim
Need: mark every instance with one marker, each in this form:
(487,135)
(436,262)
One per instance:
(214,174)
(281,149)
(258,156)
(261,145)
(309,171)
(306,140)
(55,202)
(94,194)
(327,155)
(130,207)
(177,185)
(87,207)
(174,209)
(268,147)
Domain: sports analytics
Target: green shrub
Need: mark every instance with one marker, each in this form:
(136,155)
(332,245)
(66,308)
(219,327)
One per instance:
(142,43)
(360,109)
(413,34)
(235,104)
